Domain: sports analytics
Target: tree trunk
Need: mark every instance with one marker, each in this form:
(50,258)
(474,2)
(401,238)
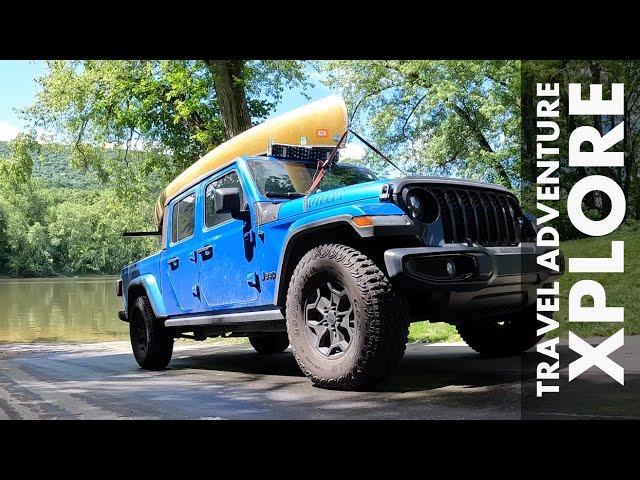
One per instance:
(484,144)
(230,92)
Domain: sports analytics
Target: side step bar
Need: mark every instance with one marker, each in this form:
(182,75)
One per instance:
(225,318)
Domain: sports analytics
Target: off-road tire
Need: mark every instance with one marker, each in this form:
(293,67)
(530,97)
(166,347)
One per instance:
(381,320)
(151,342)
(516,334)
(269,343)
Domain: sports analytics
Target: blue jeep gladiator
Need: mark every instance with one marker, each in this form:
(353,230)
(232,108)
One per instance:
(338,273)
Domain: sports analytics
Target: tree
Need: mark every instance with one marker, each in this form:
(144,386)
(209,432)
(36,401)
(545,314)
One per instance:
(452,117)
(586,72)
(157,117)
(16,168)
(4,239)
(230,91)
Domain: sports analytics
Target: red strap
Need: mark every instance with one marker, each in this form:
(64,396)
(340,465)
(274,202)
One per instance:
(317,177)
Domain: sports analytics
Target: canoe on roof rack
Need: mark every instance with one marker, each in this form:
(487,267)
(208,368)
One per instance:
(319,123)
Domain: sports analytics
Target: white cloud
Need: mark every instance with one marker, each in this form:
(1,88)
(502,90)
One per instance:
(353,151)
(8,132)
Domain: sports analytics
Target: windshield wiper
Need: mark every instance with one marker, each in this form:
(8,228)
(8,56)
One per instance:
(284,195)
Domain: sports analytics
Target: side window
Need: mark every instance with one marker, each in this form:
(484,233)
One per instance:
(183,218)
(211,218)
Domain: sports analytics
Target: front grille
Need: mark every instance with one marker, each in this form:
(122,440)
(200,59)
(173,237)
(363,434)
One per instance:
(485,216)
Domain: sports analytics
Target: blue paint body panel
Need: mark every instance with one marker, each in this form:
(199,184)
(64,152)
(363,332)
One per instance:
(245,258)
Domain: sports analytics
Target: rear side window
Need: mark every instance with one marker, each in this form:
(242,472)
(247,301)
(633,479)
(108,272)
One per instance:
(183,218)
(211,218)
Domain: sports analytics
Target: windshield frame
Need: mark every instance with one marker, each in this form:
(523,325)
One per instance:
(262,191)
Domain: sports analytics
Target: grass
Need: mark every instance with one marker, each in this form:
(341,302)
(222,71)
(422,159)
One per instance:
(215,341)
(426,332)
(622,289)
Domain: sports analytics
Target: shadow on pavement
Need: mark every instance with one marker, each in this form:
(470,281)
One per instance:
(241,361)
(422,368)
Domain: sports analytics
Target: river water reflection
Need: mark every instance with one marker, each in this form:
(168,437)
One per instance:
(60,310)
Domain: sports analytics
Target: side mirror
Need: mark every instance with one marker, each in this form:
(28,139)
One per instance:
(227,200)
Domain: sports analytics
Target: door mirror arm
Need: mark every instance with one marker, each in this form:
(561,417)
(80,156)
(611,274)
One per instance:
(244,215)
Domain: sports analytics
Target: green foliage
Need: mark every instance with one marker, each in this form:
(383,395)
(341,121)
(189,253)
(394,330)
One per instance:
(446,117)
(87,236)
(584,72)
(52,168)
(158,116)
(47,230)
(16,165)
(4,241)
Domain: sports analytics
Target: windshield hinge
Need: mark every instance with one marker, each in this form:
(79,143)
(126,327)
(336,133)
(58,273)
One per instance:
(387,192)
(250,236)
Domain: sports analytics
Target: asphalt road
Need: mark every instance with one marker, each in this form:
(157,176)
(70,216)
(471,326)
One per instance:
(102,381)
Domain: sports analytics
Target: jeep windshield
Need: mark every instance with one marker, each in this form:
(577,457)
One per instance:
(292,179)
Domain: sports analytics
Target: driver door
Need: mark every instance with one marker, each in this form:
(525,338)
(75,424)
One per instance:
(228,266)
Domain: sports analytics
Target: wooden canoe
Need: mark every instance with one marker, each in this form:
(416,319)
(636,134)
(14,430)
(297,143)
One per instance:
(318,123)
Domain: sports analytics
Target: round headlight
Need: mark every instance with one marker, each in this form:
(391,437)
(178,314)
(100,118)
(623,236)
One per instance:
(422,205)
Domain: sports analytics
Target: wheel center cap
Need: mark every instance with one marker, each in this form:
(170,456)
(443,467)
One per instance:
(331,318)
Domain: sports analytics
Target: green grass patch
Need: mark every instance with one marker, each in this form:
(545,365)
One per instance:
(623,289)
(426,332)
(215,341)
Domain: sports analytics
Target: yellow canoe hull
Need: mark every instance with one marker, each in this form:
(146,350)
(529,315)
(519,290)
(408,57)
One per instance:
(319,123)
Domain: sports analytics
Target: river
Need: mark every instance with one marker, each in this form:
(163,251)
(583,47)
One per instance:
(81,309)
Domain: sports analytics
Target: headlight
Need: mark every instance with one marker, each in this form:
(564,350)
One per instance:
(422,205)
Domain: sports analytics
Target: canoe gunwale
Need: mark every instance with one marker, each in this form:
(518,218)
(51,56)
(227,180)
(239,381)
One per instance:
(201,178)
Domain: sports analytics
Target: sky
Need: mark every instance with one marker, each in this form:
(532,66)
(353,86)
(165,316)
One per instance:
(18,90)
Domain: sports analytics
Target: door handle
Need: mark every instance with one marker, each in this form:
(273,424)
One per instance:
(205,251)
(173,262)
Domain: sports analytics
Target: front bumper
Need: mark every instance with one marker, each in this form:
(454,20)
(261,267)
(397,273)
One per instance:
(484,278)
